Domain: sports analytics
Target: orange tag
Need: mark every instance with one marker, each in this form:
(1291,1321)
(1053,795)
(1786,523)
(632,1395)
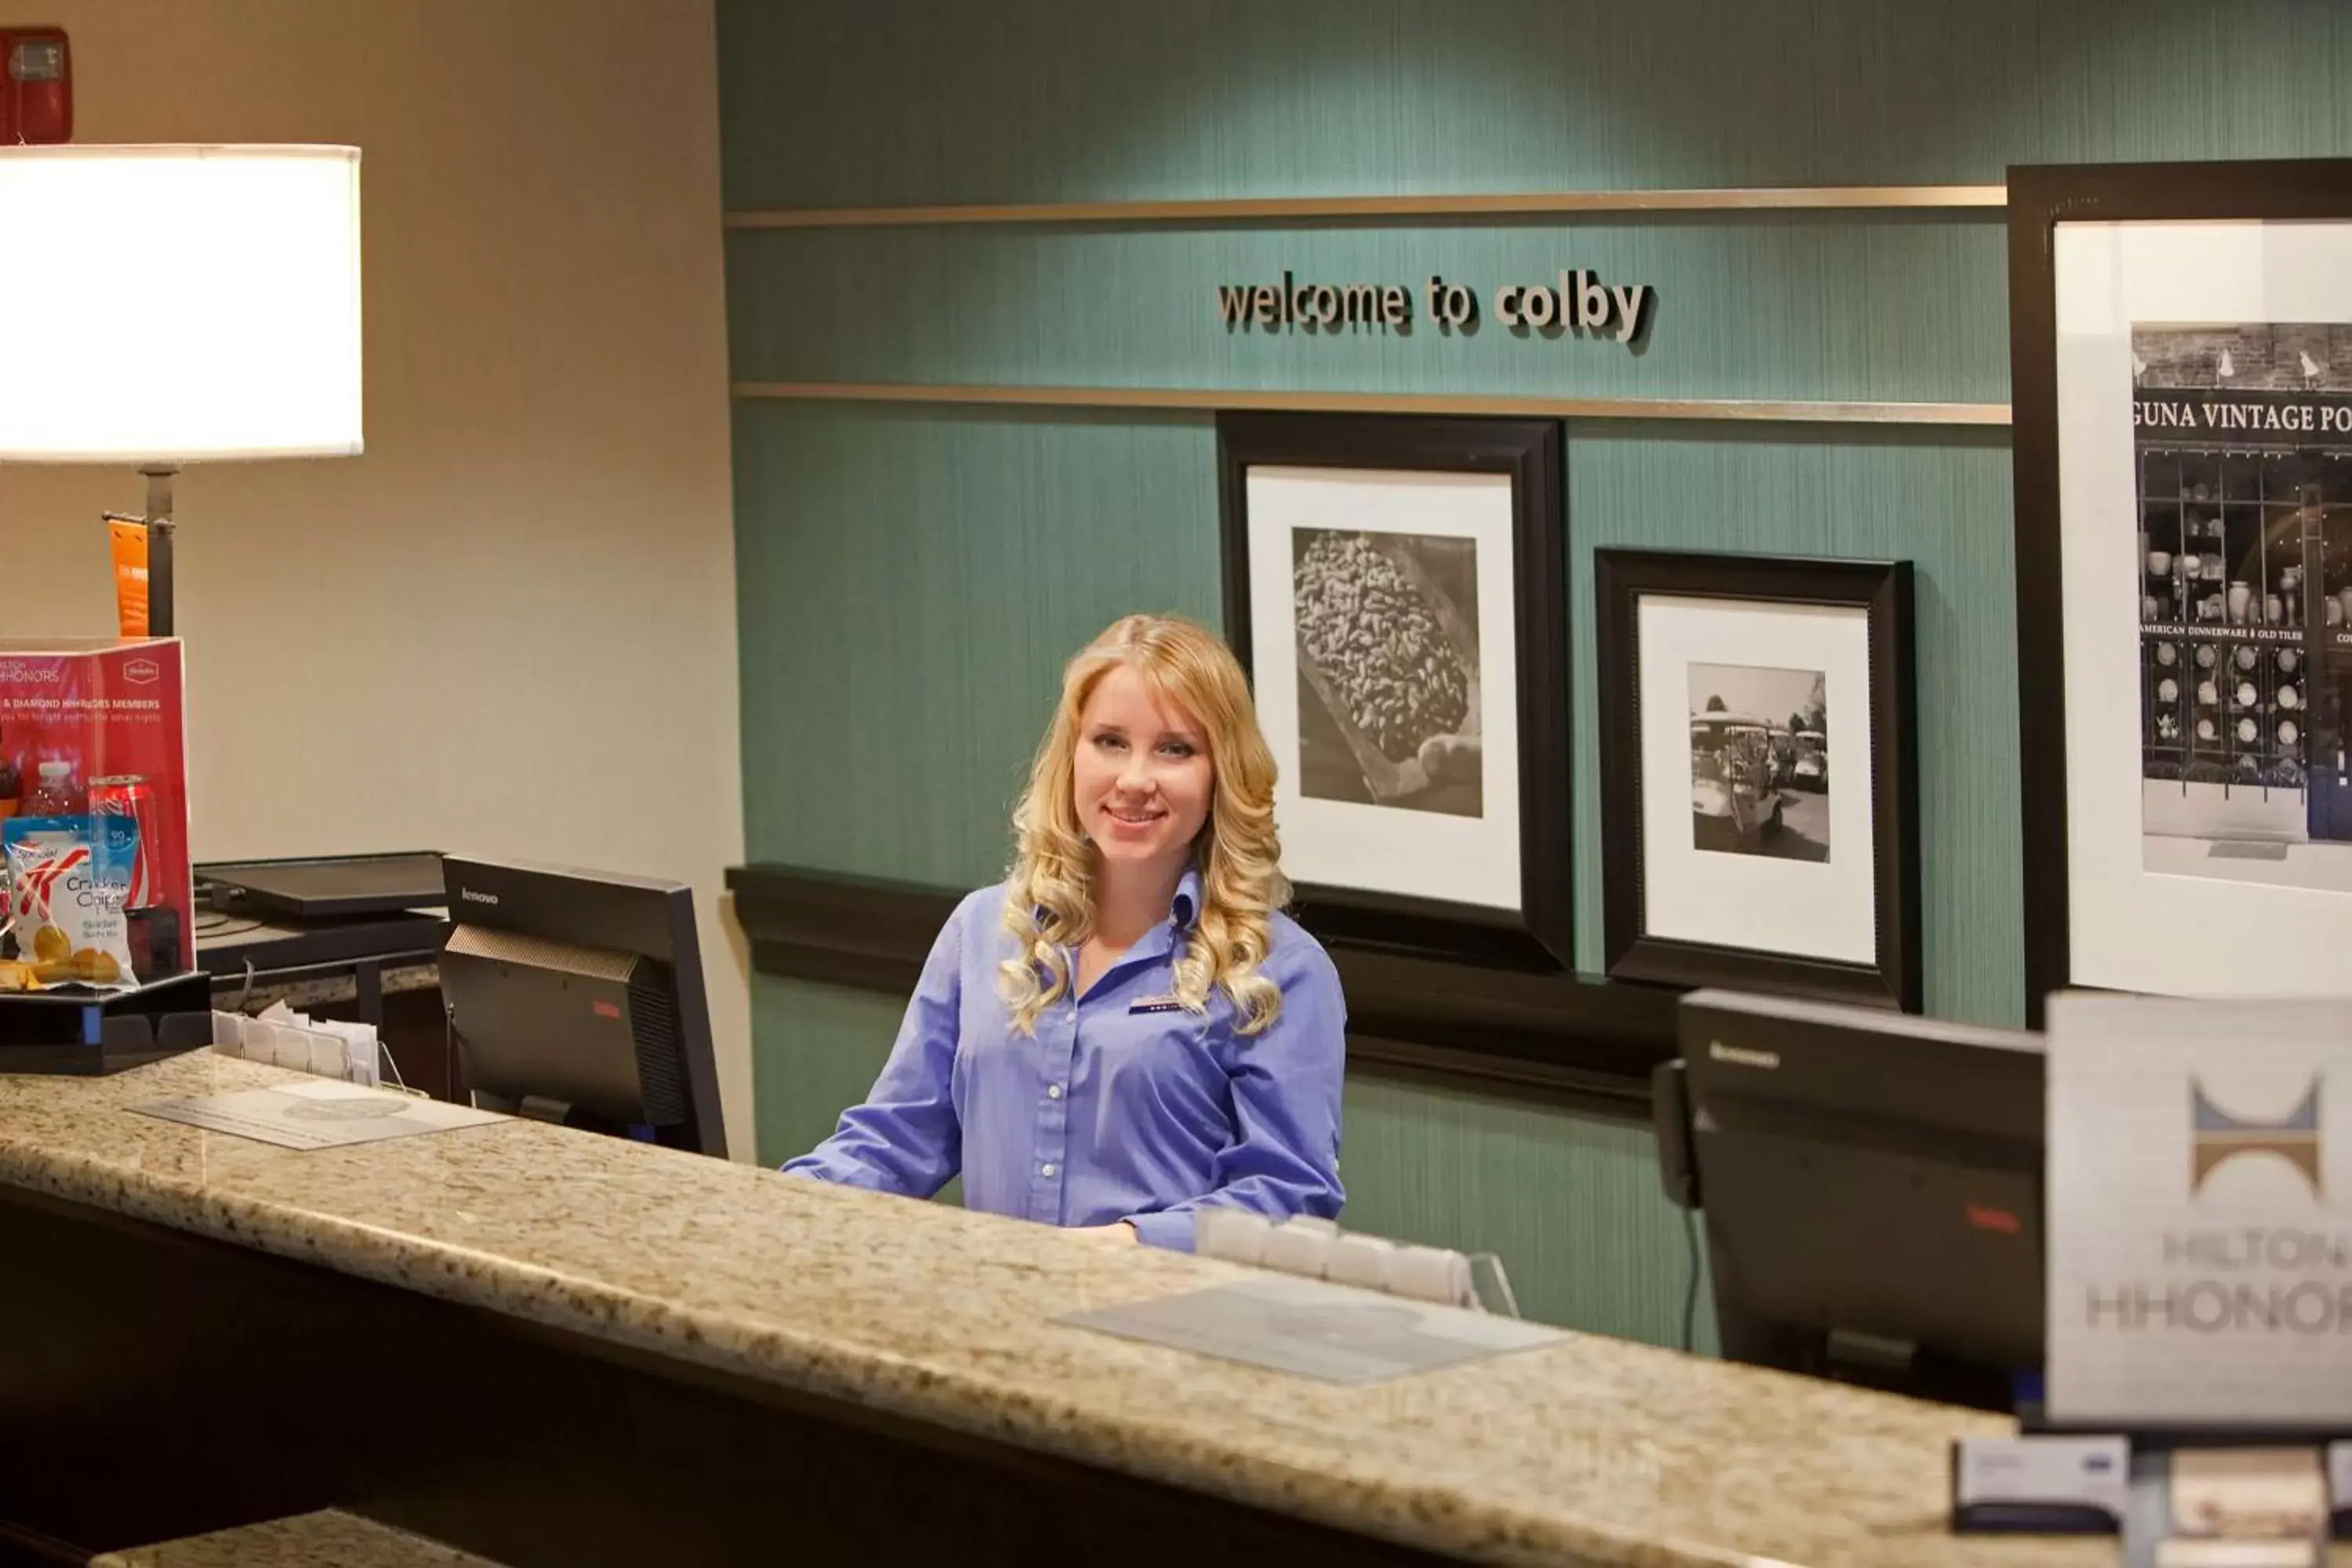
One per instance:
(129,574)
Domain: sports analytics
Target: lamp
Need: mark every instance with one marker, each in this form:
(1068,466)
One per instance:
(169,305)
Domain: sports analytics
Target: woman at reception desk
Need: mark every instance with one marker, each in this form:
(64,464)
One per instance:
(1128,1028)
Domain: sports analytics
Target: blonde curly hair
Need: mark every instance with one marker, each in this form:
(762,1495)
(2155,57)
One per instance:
(1049,898)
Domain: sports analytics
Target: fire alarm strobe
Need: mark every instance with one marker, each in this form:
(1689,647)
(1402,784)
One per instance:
(37,88)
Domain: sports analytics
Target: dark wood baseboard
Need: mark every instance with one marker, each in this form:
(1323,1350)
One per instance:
(1571,1038)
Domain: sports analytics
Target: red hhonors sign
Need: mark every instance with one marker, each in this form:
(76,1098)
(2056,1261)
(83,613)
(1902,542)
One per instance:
(94,809)
(2200,1212)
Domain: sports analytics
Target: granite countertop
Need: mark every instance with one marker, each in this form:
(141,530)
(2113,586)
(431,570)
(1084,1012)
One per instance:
(327,1539)
(1592,1450)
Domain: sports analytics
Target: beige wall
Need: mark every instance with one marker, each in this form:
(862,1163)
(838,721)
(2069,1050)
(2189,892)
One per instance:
(510,625)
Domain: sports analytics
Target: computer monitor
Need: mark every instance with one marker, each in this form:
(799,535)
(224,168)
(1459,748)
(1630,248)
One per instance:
(1872,1184)
(577,997)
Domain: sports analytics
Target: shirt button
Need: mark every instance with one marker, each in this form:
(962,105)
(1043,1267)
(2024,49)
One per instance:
(1053,1091)
(1046,1169)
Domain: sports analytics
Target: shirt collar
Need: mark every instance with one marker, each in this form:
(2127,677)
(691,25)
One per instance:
(1182,909)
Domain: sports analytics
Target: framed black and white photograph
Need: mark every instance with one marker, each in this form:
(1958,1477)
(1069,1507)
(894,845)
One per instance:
(1759,809)
(1395,586)
(2181,354)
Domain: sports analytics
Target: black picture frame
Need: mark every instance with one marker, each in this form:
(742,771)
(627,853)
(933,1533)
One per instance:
(2041,196)
(1882,590)
(1538,936)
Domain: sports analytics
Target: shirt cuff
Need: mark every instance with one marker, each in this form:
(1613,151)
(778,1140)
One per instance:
(1171,1231)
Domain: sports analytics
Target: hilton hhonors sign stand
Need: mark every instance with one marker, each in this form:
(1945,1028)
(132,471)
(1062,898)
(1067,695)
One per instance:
(2199,1210)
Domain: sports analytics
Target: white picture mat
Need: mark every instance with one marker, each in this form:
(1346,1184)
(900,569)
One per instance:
(1807,908)
(2122,1071)
(1342,844)
(2127,925)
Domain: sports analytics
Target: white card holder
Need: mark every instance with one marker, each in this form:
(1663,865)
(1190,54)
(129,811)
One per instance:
(337,1050)
(1431,1274)
(2041,1485)
(328,1057)
(1319,1249)
(1299,1250)
(293,1046)
(2250,1491)
(1236,1236)
(1360,1260)
(248,1038)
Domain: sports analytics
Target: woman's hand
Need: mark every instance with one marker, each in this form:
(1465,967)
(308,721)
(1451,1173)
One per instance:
(1118,1234)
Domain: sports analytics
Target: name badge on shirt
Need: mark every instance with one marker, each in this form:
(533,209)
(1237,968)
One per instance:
(1155,1005)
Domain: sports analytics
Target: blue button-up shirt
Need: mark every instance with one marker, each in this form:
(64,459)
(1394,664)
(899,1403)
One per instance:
(1123,1105)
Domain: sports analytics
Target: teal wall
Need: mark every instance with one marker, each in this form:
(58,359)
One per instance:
(911,578)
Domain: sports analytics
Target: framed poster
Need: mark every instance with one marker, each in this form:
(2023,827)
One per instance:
(1759,796)
(1395,586)
(2181,356)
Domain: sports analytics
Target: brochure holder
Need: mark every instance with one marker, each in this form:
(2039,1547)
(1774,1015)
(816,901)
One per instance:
(81,1034)
(2057,1483)
(2040,1484)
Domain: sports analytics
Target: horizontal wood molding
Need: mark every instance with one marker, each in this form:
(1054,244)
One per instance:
(1574,1039)
(1315,209)
(1209,400)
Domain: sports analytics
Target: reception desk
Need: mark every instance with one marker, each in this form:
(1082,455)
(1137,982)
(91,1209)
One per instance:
(552,1348)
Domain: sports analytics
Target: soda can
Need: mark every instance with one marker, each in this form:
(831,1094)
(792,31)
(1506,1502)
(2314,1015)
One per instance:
(131,795)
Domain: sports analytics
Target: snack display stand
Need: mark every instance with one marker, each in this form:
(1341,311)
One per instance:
(99,947)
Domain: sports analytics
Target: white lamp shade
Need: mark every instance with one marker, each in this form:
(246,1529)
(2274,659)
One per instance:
(174,304)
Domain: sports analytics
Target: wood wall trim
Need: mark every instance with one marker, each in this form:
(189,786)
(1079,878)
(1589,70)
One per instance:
(1578,1040)
(1315,209)
(1210,399)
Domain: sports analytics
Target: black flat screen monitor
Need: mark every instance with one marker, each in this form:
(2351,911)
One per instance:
(1873,1188)
(328,888)
(577,996)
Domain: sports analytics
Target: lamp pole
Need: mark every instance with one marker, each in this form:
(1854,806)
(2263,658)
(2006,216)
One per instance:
(159,549)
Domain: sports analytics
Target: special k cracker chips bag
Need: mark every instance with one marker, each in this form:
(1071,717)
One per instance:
(69,878)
